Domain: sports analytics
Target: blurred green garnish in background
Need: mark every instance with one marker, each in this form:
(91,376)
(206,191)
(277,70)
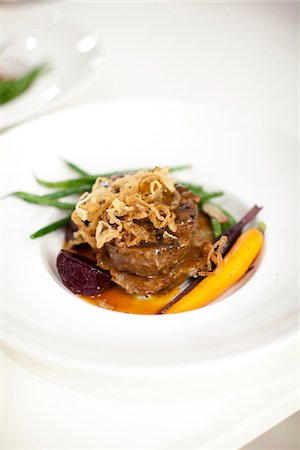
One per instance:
(13,87)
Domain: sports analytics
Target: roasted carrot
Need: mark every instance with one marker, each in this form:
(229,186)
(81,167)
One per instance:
(235,265)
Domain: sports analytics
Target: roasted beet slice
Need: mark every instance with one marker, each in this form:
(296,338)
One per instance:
(81,275)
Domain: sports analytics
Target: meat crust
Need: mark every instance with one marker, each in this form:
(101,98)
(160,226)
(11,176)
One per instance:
(149,267)
(158,257)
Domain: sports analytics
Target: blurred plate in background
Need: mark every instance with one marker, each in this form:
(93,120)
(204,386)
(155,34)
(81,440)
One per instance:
(72,54)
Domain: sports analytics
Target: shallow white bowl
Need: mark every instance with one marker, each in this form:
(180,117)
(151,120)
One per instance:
(250,162)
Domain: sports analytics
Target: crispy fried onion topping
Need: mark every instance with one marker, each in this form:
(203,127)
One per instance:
(214,257)
(119,209)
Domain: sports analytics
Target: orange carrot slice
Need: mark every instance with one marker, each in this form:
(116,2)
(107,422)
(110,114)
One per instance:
(235,265)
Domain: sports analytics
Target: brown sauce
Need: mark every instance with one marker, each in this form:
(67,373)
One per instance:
(117,299)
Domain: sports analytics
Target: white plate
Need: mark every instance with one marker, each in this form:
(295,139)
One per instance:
(72,54)
(253,164)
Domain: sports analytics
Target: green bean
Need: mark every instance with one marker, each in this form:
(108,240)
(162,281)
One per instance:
(11,88)
(82,172)
(222,226)
(208,195)
(37,199)
(225,226)
(76,168)
(92,178)
(196,188)
(69,191)
(51,227)
(216,226)
(79,182)
(179,168)
(230,219)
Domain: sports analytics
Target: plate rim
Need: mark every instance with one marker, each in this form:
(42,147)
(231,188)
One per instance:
(187,366)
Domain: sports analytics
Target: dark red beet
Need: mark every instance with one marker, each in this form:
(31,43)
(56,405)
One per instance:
(81,275)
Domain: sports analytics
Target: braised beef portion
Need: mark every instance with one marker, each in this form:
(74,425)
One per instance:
(164,262)
(164,252)
(134,284)
(195,260)
(70,229)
